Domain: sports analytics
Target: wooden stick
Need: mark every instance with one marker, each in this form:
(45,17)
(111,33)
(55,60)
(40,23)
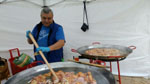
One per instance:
(41,53)
(97,65)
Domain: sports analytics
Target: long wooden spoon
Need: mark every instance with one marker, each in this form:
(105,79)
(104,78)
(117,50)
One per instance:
(91,64)
(41,53)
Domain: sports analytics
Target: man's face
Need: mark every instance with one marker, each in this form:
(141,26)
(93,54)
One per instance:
(47,19)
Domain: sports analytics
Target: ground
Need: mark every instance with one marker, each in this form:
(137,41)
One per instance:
(133,80)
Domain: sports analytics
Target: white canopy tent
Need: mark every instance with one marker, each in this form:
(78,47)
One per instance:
(117,22)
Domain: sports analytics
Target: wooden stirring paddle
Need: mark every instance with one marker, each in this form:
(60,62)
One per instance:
(45,60)
(91,64)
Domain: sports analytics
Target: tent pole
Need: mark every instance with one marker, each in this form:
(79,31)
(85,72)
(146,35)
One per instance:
(44,3)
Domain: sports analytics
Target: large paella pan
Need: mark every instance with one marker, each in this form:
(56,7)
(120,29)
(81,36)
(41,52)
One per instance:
(101,75)
(121,51)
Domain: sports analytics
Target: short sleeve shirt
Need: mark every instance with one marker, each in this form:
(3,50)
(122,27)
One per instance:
(43,35)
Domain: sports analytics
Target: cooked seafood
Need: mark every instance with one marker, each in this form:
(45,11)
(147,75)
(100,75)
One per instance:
(103,52)
(65,78)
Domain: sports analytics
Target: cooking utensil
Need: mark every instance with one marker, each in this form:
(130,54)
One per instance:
(42,55)
(123,51)
(97,65)
(101,75)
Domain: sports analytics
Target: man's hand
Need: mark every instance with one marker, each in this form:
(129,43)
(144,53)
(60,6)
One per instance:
(43,49)
(27,33)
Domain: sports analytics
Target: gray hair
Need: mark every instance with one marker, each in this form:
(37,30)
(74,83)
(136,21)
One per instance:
(46,10)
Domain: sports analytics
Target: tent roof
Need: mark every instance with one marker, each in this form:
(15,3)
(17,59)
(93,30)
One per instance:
(42,3)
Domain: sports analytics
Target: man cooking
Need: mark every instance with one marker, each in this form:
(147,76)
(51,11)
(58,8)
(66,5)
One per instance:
(49,36)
